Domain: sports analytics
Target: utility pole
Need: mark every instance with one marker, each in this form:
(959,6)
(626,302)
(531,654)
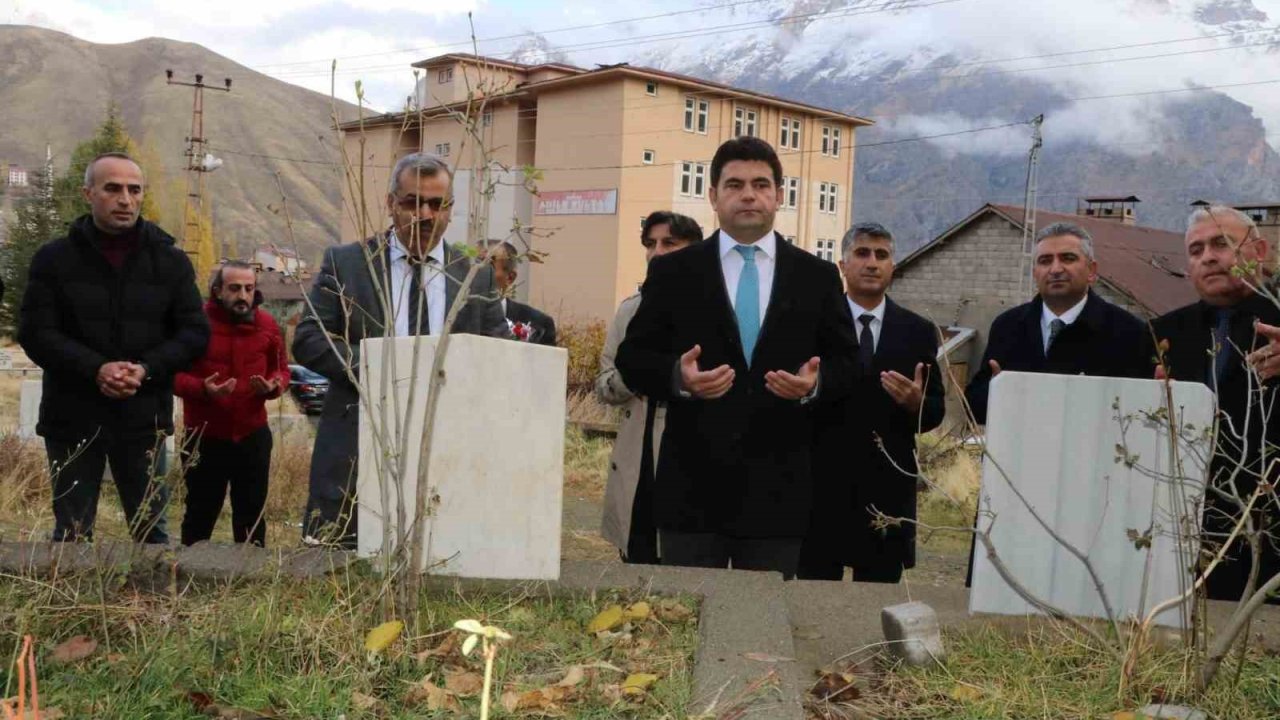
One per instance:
(199,162)
(1029,207)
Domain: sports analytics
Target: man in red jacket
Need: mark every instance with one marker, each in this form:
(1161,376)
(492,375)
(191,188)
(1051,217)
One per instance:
(224,409)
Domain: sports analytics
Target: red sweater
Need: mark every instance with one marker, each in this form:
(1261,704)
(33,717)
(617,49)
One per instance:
(236,350)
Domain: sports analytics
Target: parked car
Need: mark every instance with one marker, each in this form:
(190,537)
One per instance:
(308,389)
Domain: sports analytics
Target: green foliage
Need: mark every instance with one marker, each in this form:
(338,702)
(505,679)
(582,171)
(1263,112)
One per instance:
(37,222)
(110,137)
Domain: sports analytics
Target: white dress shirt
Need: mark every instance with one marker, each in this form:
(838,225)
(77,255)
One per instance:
(1068,317)
(433,279)
(732,262)
(876,323)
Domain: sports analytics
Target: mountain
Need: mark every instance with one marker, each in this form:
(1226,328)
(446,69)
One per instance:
(924,68)
(55,89)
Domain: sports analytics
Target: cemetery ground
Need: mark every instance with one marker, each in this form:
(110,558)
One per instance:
(113,642)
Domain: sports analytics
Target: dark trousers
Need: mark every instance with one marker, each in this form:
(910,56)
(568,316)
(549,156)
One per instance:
(642,541)
(77,468)
(213,465)
(711,550)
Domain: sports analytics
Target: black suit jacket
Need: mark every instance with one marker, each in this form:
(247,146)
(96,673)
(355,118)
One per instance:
(854,475)
(1105,341)
(1189,332)
(739,465)
(544,327)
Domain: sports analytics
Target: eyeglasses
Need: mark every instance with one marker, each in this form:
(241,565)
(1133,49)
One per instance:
(411,203)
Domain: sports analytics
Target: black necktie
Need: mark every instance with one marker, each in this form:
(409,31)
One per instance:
(418,299)
(1222,344)
(866,342)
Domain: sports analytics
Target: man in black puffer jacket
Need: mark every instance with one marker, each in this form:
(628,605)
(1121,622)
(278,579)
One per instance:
(111,312)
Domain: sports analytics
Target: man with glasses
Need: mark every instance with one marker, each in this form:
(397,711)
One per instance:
(407,269)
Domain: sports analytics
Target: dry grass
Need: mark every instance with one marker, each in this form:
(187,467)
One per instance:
(954,472)
(583,407)
(584,340)
(586,463)
(1040,669)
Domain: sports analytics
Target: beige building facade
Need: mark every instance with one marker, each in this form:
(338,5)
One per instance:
(602,148)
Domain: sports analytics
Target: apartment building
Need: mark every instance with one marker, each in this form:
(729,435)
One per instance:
(604,148)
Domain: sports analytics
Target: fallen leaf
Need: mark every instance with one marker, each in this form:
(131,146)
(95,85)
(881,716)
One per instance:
(638,612)
(966,693)
(77,648)
(1124,715)
(435,697)
(199,700)
(381,637)
(463,683)
(114,658)
(610,618)
(767,658)
(575,676)
(669,610)
(231,713)
(545,699)
(638,683)
(364,702)
(447,647)
(836,687)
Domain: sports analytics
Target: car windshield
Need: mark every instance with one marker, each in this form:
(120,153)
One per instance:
(301,374)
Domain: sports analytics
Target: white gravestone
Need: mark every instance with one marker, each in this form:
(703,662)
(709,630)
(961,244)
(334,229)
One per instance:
(1057,438)
(497,458)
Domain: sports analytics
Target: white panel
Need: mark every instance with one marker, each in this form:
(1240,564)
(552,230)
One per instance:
(1057,438)
(497,463)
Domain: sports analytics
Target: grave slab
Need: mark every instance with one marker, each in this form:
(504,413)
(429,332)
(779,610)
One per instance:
(497,462)
(1082,454)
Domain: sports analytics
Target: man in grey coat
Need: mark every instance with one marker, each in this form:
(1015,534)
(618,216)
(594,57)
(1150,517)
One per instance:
(411,272)
(628,494)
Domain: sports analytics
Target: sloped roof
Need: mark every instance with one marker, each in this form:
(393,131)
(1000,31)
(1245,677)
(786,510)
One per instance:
(1147,264)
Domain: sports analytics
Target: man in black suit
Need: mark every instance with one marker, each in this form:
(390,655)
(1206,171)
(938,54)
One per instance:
(408,270)
(864,453)
(1205,344)
(1067,329)
(741,335)
(541,327)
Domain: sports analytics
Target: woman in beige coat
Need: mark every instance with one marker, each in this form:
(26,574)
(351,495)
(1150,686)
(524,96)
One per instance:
(628,495)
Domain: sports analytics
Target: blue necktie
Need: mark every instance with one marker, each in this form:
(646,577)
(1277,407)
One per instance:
(747,302)
(1222,343)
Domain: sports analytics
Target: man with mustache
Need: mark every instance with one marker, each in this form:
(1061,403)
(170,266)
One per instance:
(1211,341)
(224,409)
(1066,329)
(110,313)
(864,451)
(408,270)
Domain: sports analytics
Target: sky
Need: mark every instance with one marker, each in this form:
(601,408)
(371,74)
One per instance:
(375,42)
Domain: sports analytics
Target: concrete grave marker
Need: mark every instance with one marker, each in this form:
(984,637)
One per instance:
(1058,440)
(497,461)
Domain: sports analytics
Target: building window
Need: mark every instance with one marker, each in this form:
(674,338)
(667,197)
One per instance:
(784,137)
(827,194)
(486,118)
(825,249)
(830,141)
(795,134)
(790,192)
(744,122)
(696,113)
(647,157)
(442,149)
(445,76)
(651,89)
(693,179)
